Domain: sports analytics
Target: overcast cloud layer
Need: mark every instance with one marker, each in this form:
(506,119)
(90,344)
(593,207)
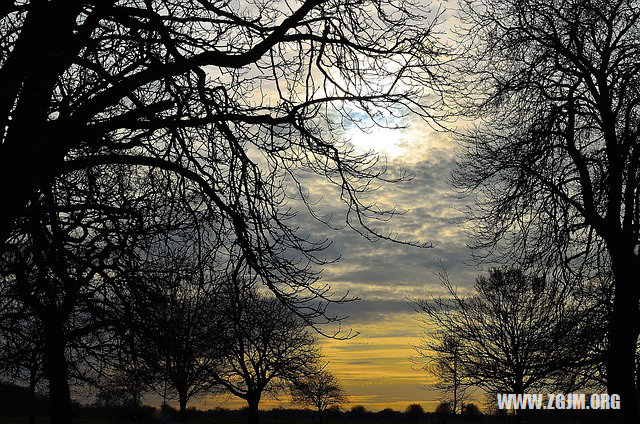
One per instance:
(374,366)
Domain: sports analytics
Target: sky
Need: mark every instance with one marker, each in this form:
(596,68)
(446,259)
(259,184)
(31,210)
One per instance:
(374,366)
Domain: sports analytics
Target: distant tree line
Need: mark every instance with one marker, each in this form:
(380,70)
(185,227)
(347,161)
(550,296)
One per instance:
(181,330)
(129,286)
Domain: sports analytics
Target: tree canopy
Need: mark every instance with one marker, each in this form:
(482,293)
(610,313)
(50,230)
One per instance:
(553,158)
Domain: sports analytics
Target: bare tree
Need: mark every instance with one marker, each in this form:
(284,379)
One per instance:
(319,389)
(235,98)
(266,347)
(554,158)
(67,266)
(21,350)
(127,376)
(58,269)
(176,320)
(231,101)
(516,333)
(442,357)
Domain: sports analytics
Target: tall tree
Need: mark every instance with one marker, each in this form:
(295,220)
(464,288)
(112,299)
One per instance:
(515,334)
(266,347)
(446,363)
(555,157)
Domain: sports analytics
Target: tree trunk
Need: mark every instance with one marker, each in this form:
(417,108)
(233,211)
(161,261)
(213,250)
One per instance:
(59,394)
(164,395)
(623,337)
(183,407)
(253,400)
(518,388)
(320,415)
(455,397)
(33,370)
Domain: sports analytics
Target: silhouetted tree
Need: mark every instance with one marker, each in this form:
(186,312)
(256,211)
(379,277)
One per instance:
(415,412)
(60,268)
(471,409)
(68,266)
(554,159)
(358,412)
(444,408)
(222,99)
(120,391)
(127,378)
(177,320)
(266,346)
(446,364)
(516,333)
(319,389)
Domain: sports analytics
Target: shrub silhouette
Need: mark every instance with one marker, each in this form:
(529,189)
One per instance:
(358,412)
(471,409)
(414,412)
(444,408)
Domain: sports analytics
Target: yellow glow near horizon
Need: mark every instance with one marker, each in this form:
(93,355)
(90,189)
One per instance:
(374,369)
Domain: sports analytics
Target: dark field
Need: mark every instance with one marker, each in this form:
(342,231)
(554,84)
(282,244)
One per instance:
(428,419)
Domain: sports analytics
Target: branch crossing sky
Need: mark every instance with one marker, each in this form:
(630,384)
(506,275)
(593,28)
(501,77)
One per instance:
(374,366)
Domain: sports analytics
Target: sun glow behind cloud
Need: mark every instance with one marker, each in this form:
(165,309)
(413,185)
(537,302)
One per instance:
(374,367)
(387,142)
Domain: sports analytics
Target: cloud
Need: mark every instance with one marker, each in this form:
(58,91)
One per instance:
(375,366)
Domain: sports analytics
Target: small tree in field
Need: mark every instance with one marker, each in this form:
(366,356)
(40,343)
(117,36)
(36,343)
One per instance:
(517,333)
(414,412)
(444,408)
(471,409)
(266,347)
(320,390)
(446,363)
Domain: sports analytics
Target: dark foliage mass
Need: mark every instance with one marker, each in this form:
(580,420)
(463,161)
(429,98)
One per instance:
(415,412)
